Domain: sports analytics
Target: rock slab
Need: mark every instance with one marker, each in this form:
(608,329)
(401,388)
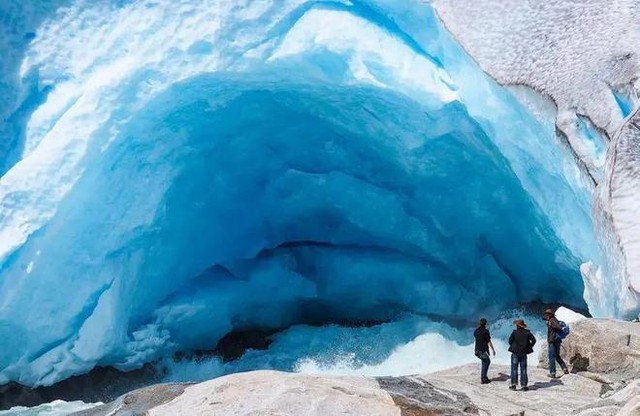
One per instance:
(455,392)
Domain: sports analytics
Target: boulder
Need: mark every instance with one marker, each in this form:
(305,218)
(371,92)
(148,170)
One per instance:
(605,346)
(256,393)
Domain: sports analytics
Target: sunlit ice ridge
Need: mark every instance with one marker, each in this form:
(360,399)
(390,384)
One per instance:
(175,171)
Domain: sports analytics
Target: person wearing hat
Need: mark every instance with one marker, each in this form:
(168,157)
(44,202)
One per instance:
(521,344)
(483,342)
(554,341)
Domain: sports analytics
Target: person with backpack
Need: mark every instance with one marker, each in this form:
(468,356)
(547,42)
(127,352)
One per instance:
(521,342)
(483,342)
(555,333)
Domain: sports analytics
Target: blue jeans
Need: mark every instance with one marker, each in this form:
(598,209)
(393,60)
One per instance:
(554,355)
(484,369)
(522,362)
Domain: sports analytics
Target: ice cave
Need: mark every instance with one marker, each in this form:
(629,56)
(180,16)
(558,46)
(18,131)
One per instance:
(337,173)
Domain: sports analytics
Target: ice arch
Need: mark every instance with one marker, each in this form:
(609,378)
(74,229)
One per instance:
(319,177)
(227,205)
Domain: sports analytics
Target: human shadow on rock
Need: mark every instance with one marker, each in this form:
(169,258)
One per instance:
(501,377)
(546,384)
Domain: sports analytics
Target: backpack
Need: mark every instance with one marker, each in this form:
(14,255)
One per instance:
(565,330)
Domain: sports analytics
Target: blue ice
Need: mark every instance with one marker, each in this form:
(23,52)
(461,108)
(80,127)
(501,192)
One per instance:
(263,168)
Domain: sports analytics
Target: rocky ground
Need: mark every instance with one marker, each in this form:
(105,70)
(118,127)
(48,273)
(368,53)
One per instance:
(606,382)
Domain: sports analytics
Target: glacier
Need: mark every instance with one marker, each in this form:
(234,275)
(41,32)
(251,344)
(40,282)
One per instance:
(176,171)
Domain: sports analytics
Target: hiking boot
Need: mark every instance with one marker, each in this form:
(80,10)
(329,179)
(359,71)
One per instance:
(551,375)
(566,370)
(485,381)
(525,388)
(512,387)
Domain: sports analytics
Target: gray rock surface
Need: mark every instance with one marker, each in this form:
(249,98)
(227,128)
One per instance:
(609,348)
(546,398)
(625,402)
(455,391)
(416,396)
(274,393)
(138,401)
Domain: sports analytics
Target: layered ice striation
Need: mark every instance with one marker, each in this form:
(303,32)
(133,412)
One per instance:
(198,168)
(584,55)
(617,206)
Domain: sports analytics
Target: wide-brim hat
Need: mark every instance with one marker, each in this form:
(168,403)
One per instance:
(520,323)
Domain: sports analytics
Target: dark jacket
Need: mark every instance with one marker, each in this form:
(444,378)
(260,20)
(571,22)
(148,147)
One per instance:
(521,342)
(482,337)
(553,327)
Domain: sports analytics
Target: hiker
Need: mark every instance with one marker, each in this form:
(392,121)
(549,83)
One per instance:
(521,344)
(483,342)
(553,328)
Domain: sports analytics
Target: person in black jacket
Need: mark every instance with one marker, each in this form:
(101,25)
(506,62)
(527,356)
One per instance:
(483,342)
(553,328)
(521,344)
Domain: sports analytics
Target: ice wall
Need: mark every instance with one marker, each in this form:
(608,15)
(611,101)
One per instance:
(203,167)
(584,56)
(618,205)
